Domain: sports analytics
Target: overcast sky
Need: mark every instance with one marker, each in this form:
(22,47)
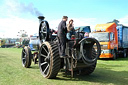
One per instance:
(16,15)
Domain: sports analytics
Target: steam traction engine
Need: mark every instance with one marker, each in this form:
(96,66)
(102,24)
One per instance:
(82,53)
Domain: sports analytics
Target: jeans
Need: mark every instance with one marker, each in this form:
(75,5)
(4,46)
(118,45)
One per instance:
(69,34)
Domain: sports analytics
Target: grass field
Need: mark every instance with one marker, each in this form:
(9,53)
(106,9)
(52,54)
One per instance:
(107,72)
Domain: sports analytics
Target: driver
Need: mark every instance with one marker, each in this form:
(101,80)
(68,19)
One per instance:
(62,31)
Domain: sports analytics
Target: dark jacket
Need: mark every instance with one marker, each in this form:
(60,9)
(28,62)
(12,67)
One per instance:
(62,29)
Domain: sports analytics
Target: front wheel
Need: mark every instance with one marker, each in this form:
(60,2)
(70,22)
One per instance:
(26,57)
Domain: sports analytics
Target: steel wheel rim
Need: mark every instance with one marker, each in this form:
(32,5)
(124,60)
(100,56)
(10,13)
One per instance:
(24,55)
(43,31)
(44,65)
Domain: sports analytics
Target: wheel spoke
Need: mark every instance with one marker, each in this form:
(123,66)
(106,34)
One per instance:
(43,55)
(45,50)
(46,68)
(43,63)
(44,32)
(23,58)
(24,52)
(43,28)
(84,52)
(48,54)
(41,31)
(43,25)
(42,35)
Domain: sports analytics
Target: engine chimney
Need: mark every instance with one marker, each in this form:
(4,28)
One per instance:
(41,18)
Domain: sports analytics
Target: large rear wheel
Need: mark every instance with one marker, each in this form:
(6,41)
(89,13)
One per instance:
(49,60)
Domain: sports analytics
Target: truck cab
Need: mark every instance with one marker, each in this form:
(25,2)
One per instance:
(106,34)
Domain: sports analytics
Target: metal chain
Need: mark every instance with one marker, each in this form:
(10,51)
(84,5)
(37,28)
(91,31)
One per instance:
(74,57)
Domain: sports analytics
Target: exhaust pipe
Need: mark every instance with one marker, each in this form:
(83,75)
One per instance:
(41,18)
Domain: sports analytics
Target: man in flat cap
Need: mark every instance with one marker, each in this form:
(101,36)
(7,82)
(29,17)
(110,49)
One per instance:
(62,31)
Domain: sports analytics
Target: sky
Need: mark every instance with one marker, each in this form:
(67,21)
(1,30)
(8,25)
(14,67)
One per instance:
(16,15)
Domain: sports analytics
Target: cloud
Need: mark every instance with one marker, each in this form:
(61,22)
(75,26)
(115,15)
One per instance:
(124,20)
(11,26)
(14,17)
(13,22)
(85,22)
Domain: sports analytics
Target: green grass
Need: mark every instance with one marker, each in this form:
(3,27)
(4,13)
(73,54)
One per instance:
(107,72)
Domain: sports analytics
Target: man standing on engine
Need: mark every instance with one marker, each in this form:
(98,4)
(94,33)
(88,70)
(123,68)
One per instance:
(62,31)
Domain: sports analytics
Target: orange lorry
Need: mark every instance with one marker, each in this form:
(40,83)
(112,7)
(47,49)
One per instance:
(109,35)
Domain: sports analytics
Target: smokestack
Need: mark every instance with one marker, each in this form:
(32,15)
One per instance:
(41,18)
